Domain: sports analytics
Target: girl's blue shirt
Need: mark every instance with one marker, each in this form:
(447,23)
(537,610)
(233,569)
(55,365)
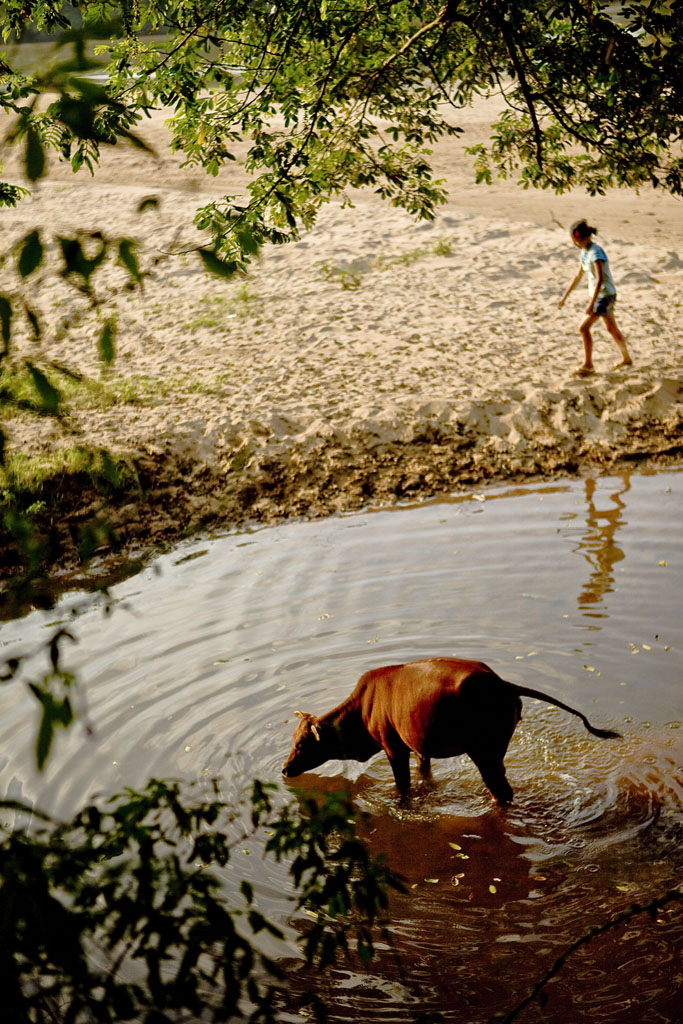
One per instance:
(589,257)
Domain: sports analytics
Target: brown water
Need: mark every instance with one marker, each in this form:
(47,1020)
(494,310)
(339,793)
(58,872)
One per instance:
(573,588)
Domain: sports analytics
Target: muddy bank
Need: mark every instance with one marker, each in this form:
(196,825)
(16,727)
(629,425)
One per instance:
(396,455)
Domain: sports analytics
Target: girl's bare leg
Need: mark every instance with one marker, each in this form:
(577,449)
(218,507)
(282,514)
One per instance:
(611,325)
(585,330)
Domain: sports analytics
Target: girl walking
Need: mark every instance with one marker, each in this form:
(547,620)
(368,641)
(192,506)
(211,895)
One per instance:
(603,295)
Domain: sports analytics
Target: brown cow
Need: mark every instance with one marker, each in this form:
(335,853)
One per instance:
(438,707)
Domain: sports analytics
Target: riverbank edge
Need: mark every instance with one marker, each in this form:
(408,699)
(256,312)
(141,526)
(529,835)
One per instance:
(167,498)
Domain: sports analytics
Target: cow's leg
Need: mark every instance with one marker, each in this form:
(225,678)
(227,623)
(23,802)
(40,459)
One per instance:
(399,759)
(424,766)
(492,772)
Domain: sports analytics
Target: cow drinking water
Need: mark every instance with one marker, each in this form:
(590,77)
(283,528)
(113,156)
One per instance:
(437,707)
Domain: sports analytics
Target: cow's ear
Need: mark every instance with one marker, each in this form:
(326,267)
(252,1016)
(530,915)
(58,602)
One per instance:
(299,714)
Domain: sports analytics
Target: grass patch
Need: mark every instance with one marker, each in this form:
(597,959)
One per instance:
(25,480)
(105,392)
(144,390)
(350,275)
(443,247)
(215,310)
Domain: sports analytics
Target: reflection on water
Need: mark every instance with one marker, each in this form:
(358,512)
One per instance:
(598,544)
(198,670)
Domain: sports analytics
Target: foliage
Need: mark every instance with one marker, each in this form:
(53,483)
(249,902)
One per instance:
(34,385)
(52,690)
(336,94)
(121,913)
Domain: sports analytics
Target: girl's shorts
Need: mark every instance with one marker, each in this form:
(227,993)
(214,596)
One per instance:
(604,306)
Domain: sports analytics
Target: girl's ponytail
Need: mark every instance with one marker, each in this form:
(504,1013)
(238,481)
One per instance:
(581,230)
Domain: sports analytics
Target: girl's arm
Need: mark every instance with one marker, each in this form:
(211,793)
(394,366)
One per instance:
(571,288)
(599,274)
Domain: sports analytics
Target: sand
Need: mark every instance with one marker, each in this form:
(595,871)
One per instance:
(376,360)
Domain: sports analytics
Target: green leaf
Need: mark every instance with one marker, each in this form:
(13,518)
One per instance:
(31,255)
(5,320)
(149,203)
(215,265)
(247,241)
(76,261)
(10,195)
(34,157)
(49,395)
(33,320)
(51,715)
(106,341)
(256,921)
(129,259)
(44,738)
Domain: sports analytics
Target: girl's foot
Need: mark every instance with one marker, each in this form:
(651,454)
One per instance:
(626,361)
(584,371)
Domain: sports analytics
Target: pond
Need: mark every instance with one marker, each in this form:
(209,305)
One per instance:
(571,587)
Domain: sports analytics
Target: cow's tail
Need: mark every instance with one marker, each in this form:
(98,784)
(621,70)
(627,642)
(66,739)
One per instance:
(526,691)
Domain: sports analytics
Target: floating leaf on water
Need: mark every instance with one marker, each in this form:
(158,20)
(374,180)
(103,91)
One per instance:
(432,881)
(492,889)
(623,888)
(454,846)
(646,647)
(325,615)
(663,562)
(589,668)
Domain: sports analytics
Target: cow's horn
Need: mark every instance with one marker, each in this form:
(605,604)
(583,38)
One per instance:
(315,732)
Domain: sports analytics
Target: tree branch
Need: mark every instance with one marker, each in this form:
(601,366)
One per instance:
(524,85)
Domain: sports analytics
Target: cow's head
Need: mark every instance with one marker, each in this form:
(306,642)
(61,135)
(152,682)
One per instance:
(309,748)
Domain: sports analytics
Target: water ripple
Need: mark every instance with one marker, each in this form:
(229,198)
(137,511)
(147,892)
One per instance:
(199,669)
